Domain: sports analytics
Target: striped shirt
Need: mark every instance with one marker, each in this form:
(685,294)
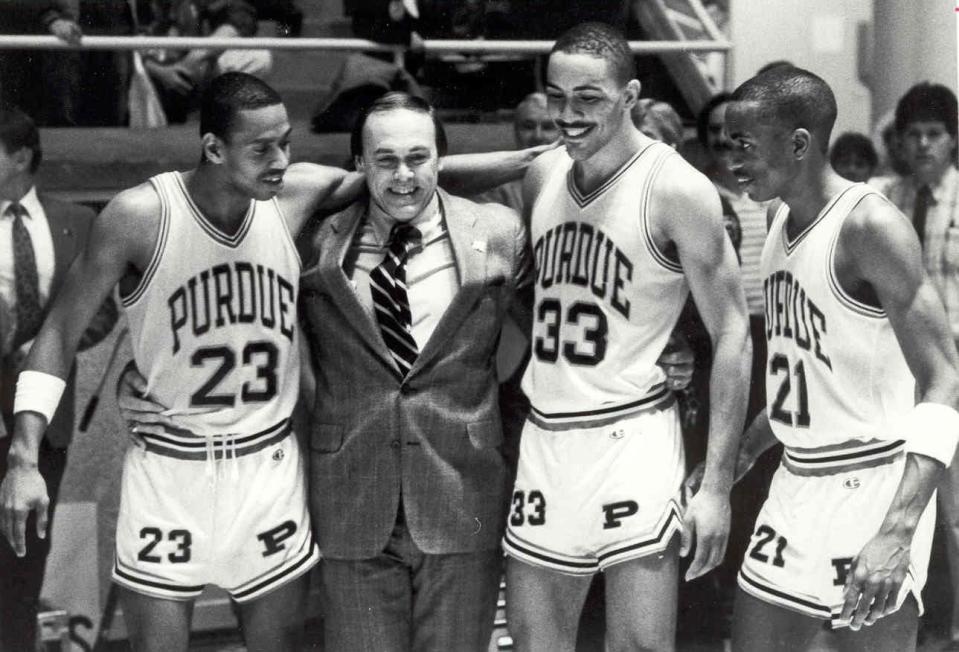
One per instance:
(431,276)
(940,254)
(752,222)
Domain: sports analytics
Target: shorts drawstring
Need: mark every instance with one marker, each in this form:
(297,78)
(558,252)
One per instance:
(228,451)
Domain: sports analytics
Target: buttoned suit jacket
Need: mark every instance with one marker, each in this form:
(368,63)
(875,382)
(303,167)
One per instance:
(433,437)
(69,227)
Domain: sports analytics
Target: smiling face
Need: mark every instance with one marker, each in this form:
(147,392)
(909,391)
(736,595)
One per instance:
(760,154)
(928,149)
(256,152)
(532,125)
(400,161)
(587,103)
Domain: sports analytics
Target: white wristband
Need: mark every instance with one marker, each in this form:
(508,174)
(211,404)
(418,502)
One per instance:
(38,392)
(934,431)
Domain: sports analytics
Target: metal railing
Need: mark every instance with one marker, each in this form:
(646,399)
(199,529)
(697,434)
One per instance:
(429,47)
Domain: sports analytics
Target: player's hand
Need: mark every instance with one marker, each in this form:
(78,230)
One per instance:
(173,77)
(677,361)
(141,414)
(874,579)
(706,523)
(22,491)
(534,151)
(66,30)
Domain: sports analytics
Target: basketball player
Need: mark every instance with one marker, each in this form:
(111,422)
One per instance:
(853,325)
(622,229)
(208,276)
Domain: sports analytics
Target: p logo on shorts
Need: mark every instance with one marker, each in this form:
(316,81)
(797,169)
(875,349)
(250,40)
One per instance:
(616,512)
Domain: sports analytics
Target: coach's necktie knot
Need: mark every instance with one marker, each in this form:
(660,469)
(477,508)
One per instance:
(404,238)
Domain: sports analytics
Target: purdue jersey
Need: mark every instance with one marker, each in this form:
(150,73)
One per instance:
(213,319)
(835,372)
(607,297)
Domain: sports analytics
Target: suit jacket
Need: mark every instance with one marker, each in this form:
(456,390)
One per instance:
(435,437)
(69,226)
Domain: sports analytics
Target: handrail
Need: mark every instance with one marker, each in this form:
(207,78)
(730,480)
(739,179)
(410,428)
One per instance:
(437,46)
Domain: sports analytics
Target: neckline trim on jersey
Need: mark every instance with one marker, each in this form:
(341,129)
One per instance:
(791,246)
(581,199)
(209,227)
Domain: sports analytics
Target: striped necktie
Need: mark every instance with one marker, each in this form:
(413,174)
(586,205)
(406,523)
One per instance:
(390,301)
(26,279)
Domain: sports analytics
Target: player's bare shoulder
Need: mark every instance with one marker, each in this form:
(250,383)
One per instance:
(129,225)
(877,244)
(538,171)
(682,199)
(308,187)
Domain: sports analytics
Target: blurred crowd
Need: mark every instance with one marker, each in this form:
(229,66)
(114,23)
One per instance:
(91,87)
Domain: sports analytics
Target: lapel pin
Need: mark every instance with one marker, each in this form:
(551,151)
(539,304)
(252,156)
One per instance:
(479,246)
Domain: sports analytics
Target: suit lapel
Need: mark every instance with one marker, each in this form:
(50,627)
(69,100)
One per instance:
(64,240)
(343,227)
(469,252)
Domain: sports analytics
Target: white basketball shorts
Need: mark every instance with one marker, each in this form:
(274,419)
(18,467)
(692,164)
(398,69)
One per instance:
(231,515)
(812,526)
(588,498)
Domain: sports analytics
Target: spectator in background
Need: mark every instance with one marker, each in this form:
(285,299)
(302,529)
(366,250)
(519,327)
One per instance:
(32,79)
(659,121)
(853,157)
(90,86)
(925,124)
(43,235)
(285,13)
(179,76)
(886,140)
(532,126)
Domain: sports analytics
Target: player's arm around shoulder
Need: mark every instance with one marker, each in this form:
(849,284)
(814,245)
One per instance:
(878,246)
(311,187)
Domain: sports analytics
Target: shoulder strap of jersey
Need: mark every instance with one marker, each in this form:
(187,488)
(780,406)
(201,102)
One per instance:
(650,163)
(163,184)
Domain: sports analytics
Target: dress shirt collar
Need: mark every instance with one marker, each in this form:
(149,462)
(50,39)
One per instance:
(30,202)
(429,223)
(942,188)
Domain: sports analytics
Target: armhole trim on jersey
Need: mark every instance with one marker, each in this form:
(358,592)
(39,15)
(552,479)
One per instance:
(647,190)
(841,295)
(158,249)
(286,229)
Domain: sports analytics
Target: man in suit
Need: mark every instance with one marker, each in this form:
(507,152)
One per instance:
(39,237)
(403,309)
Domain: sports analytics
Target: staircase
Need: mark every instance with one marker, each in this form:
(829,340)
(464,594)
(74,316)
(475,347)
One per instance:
(699,76)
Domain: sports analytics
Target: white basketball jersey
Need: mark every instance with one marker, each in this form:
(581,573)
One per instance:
(213,320)
(606,297)
(835,371)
